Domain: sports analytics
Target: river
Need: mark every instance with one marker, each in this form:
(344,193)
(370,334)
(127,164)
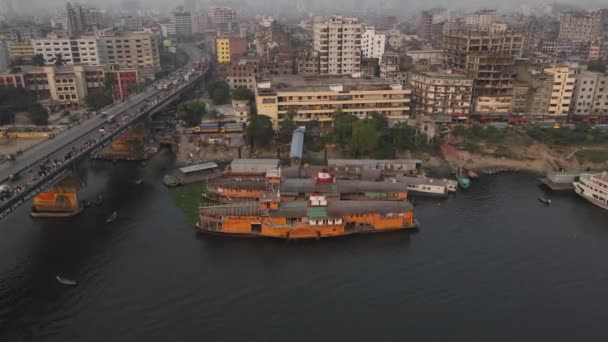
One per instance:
(489,264)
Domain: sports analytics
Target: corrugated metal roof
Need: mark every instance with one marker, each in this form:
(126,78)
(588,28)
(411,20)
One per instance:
(253,165)
(297,143)
(198,167)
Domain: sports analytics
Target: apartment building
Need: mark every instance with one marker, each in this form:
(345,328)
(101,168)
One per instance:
(580,26)
(489,58)
(481,19)
(230,48)
(562,90)
(591,94)
(317,98)
(389,65)
(338,42)
(536,87)
(441,93)
(199,24)
(182,21)
(5,57)
(133,23)
(308,63)
(68,85)
(242,74)
(223,19)
(23,50)
(130,50)
(83,50)
(372,43)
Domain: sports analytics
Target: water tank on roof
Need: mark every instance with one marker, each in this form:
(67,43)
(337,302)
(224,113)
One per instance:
(336,87)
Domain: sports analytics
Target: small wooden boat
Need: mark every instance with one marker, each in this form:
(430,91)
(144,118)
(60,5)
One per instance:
(544,200)
(112,217)
(66,281)
(138,181)
(473,174)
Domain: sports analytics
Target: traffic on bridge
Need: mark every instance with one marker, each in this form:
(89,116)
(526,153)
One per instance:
(49,162)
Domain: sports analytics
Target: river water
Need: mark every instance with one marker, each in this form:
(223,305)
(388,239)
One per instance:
(489,264)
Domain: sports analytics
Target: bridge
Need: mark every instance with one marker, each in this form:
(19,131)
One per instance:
(53,160)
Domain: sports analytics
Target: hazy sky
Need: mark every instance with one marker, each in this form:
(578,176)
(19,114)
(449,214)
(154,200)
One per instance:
(399,7)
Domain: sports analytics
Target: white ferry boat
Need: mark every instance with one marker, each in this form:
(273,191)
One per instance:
(593,188)
(424,186)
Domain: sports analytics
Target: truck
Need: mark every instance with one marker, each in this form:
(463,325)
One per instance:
(233,128)
(208,128)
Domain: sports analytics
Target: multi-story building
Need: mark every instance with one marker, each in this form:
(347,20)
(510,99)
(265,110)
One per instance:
(489,58)
(182,21)
(441,93)
(242,74)
(591,94)
(389,65)
(199,23)
(580,26)
(562,90)
(481,19)
(133,23)
(372,43)
(230,48)
(75,16)
(223,19)
(140,50)
(83,50)
(595,52)
(308,63)
(338,42)
(317,98)
(92,18)
(67,85)
(430,57)
(23,50)
(537,88)
(429,23)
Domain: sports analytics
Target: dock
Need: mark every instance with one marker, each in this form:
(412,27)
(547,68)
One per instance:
(560,181)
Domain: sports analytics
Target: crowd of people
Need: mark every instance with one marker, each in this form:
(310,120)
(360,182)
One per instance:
(19,182)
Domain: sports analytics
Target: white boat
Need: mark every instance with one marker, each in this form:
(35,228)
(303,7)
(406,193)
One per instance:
(112,217)
(593,188)
(138,181)
(66,281)
(423,186)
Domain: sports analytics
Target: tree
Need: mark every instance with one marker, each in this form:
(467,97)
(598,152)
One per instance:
(38,115)
(38,60)
(287,126)
(59,61)
(17,61)
(364,137)
(260,131)
(220,92)
(343,127)
(14,100)
(98,98)
(192,112)
(405,137)
(242,94)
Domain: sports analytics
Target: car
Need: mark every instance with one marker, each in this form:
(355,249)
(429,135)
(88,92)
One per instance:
(104,114)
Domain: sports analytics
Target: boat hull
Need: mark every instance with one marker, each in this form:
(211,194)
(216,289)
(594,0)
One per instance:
(591,199)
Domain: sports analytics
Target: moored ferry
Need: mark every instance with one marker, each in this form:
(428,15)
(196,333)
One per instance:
(313,218)
(593,188)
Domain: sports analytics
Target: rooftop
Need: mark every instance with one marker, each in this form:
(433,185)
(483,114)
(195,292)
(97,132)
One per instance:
(326,83)
(198,167)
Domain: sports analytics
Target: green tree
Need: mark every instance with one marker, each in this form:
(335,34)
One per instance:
(38,60)
(343,127)
(406,138)
(242,94)
(38,115)
(17,61)
(192,112)
(220,92)
(260,132)
(364,137)
(13,100)
(287,126)
(98,98)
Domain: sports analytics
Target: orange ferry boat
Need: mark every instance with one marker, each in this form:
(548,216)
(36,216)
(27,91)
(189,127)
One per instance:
(313,218)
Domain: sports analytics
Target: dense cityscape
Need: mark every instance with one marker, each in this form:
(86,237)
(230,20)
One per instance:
(300,121)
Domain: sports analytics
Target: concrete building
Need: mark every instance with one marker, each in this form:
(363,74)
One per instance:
(83,50)
(133,23)
(389,65)
(489,58)
(591,95)
(338,42)
(24,50)
(442,93)
(308,63)
(92,18)
(317,98)
(242,74)
(580,26)
(75,19)
(140,50)
(562,90)
(230,49)
(481,19)
(537,88)
(199,23)
(372,43)
(429,23)
(223,19)
(429,57)
(167,29)
(68,85)
(182,21)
